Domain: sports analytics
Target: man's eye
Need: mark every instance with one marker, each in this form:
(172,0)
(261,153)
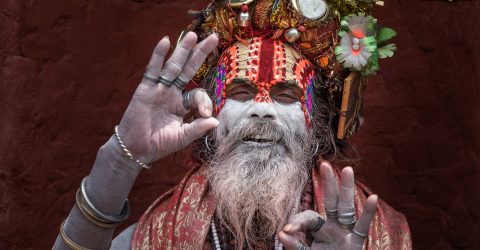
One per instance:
(286,96)
(241,93)
(286,93)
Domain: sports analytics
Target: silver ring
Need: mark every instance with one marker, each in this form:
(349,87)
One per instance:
(301,246)
(319,221)
(186,100)
(331,214)
(163,80)
(180,83)
(151,78)
(359,234)
(347,219)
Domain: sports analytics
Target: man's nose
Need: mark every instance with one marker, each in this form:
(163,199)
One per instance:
(263,111)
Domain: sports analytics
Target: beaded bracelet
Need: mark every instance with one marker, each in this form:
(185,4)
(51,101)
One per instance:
(127,152)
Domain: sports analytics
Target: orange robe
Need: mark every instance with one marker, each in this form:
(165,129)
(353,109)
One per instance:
(180,218)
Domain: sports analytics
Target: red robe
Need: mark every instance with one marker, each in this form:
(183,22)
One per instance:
(180,218)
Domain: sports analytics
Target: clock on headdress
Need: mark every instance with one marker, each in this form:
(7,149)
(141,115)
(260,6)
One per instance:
(313,10)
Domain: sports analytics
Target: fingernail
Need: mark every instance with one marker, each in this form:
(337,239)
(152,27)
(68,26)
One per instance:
(166,37)
(208,112)
(287,227)
(216,122)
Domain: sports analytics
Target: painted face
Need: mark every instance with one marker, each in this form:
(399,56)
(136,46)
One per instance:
(264,70)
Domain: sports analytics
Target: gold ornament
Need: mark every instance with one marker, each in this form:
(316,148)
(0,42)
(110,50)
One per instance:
(262,11)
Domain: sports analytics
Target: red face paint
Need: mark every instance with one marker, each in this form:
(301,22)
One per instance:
(264,62)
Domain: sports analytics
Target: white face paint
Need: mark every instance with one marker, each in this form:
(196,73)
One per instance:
(234,112)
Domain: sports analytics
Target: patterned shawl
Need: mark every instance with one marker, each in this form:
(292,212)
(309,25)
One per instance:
(180,218)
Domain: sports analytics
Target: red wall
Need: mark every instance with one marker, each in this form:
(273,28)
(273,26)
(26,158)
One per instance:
(68,69)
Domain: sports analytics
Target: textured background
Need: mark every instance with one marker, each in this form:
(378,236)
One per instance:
(68,69)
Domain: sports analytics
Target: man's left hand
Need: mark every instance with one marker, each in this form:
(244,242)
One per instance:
(338,230)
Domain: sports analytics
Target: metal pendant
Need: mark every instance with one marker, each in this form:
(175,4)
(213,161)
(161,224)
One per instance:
(292,35)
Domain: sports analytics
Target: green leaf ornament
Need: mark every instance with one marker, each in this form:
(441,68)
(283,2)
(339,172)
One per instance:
(387,50)
(385,34)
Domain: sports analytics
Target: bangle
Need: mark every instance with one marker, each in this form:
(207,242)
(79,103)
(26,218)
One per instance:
(70,243)
(94,215)
(127,152)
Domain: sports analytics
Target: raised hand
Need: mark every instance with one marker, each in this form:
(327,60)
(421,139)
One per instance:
(152,126)
(339,230)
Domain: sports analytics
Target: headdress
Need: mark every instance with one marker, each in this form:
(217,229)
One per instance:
(339,42)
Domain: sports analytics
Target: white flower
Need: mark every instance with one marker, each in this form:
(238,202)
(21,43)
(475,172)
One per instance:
(353,52)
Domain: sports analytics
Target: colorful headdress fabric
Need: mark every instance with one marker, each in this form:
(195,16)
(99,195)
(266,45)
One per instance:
(327,48)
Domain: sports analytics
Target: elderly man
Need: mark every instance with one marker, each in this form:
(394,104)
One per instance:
(262,183)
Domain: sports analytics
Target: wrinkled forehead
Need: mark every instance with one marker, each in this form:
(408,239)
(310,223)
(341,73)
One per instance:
(265,62)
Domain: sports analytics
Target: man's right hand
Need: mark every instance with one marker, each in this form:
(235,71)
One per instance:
(152,126)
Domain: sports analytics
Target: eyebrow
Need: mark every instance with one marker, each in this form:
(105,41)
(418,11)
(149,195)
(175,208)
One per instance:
(247,81)
(288,83)
(242,80)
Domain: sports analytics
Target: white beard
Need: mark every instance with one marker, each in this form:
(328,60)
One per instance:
(256,188)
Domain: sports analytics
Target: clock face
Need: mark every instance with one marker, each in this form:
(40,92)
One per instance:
(238,3)
(311,9)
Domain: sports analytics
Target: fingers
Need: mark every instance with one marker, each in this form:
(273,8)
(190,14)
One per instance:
(196,129)
(155,65)
(198,56)
(301,222)
(363,224)
(290,242)
(330,188)
(346,192)
(174,65)
(306,220)
(201,100)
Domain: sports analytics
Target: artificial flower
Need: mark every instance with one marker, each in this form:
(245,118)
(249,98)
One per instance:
(362,43)
(354,52)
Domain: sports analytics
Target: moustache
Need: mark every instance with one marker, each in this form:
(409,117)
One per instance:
(256,131)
